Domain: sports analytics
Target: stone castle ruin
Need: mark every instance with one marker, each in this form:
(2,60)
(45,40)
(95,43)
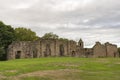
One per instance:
(56,47)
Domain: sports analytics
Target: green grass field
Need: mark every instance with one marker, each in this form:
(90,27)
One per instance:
(61,68)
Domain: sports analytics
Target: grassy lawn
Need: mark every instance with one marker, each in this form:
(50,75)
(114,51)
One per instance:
(61,68)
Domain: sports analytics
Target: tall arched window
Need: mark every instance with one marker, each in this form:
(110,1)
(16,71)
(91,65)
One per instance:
(61,49)
(48,50)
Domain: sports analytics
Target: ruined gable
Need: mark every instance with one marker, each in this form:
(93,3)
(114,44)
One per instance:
(112,50)
(99,50)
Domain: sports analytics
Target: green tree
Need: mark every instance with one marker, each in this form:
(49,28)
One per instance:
(24,34)
(50,35)
(63,39)
(7,35)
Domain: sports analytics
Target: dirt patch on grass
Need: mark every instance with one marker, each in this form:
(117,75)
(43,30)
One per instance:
(71,65)
(2,77)
(102,60)
(11,71)
(57,74)
(50,72)
(117,63)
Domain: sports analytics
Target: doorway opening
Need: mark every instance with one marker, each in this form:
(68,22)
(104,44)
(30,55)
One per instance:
(18,55)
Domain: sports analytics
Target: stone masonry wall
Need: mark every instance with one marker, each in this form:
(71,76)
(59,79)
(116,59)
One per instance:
(99,50)
(112,50)
(55,47)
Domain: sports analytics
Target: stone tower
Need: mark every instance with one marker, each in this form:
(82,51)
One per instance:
(81,44)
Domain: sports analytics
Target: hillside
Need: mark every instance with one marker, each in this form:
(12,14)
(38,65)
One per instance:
(61,68)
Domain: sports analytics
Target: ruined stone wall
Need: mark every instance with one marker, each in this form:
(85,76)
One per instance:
(40,48)
(112,50)
(72,48)
(99,50)
(35,49)
(80,51)
(19,50)
(47,47)
(56,47)
(87,52)
(60,45)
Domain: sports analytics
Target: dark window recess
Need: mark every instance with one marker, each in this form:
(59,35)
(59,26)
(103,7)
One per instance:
(34,54)
(73,53)
(18,55)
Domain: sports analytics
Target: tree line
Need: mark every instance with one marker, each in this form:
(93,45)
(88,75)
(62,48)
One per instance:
(8,34)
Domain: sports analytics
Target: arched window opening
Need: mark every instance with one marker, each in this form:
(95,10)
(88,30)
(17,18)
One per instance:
(61,49)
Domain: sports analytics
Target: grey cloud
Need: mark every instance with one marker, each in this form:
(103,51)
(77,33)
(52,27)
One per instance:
(91,20)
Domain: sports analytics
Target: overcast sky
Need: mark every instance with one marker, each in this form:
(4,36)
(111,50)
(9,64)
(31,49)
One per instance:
(91,20)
